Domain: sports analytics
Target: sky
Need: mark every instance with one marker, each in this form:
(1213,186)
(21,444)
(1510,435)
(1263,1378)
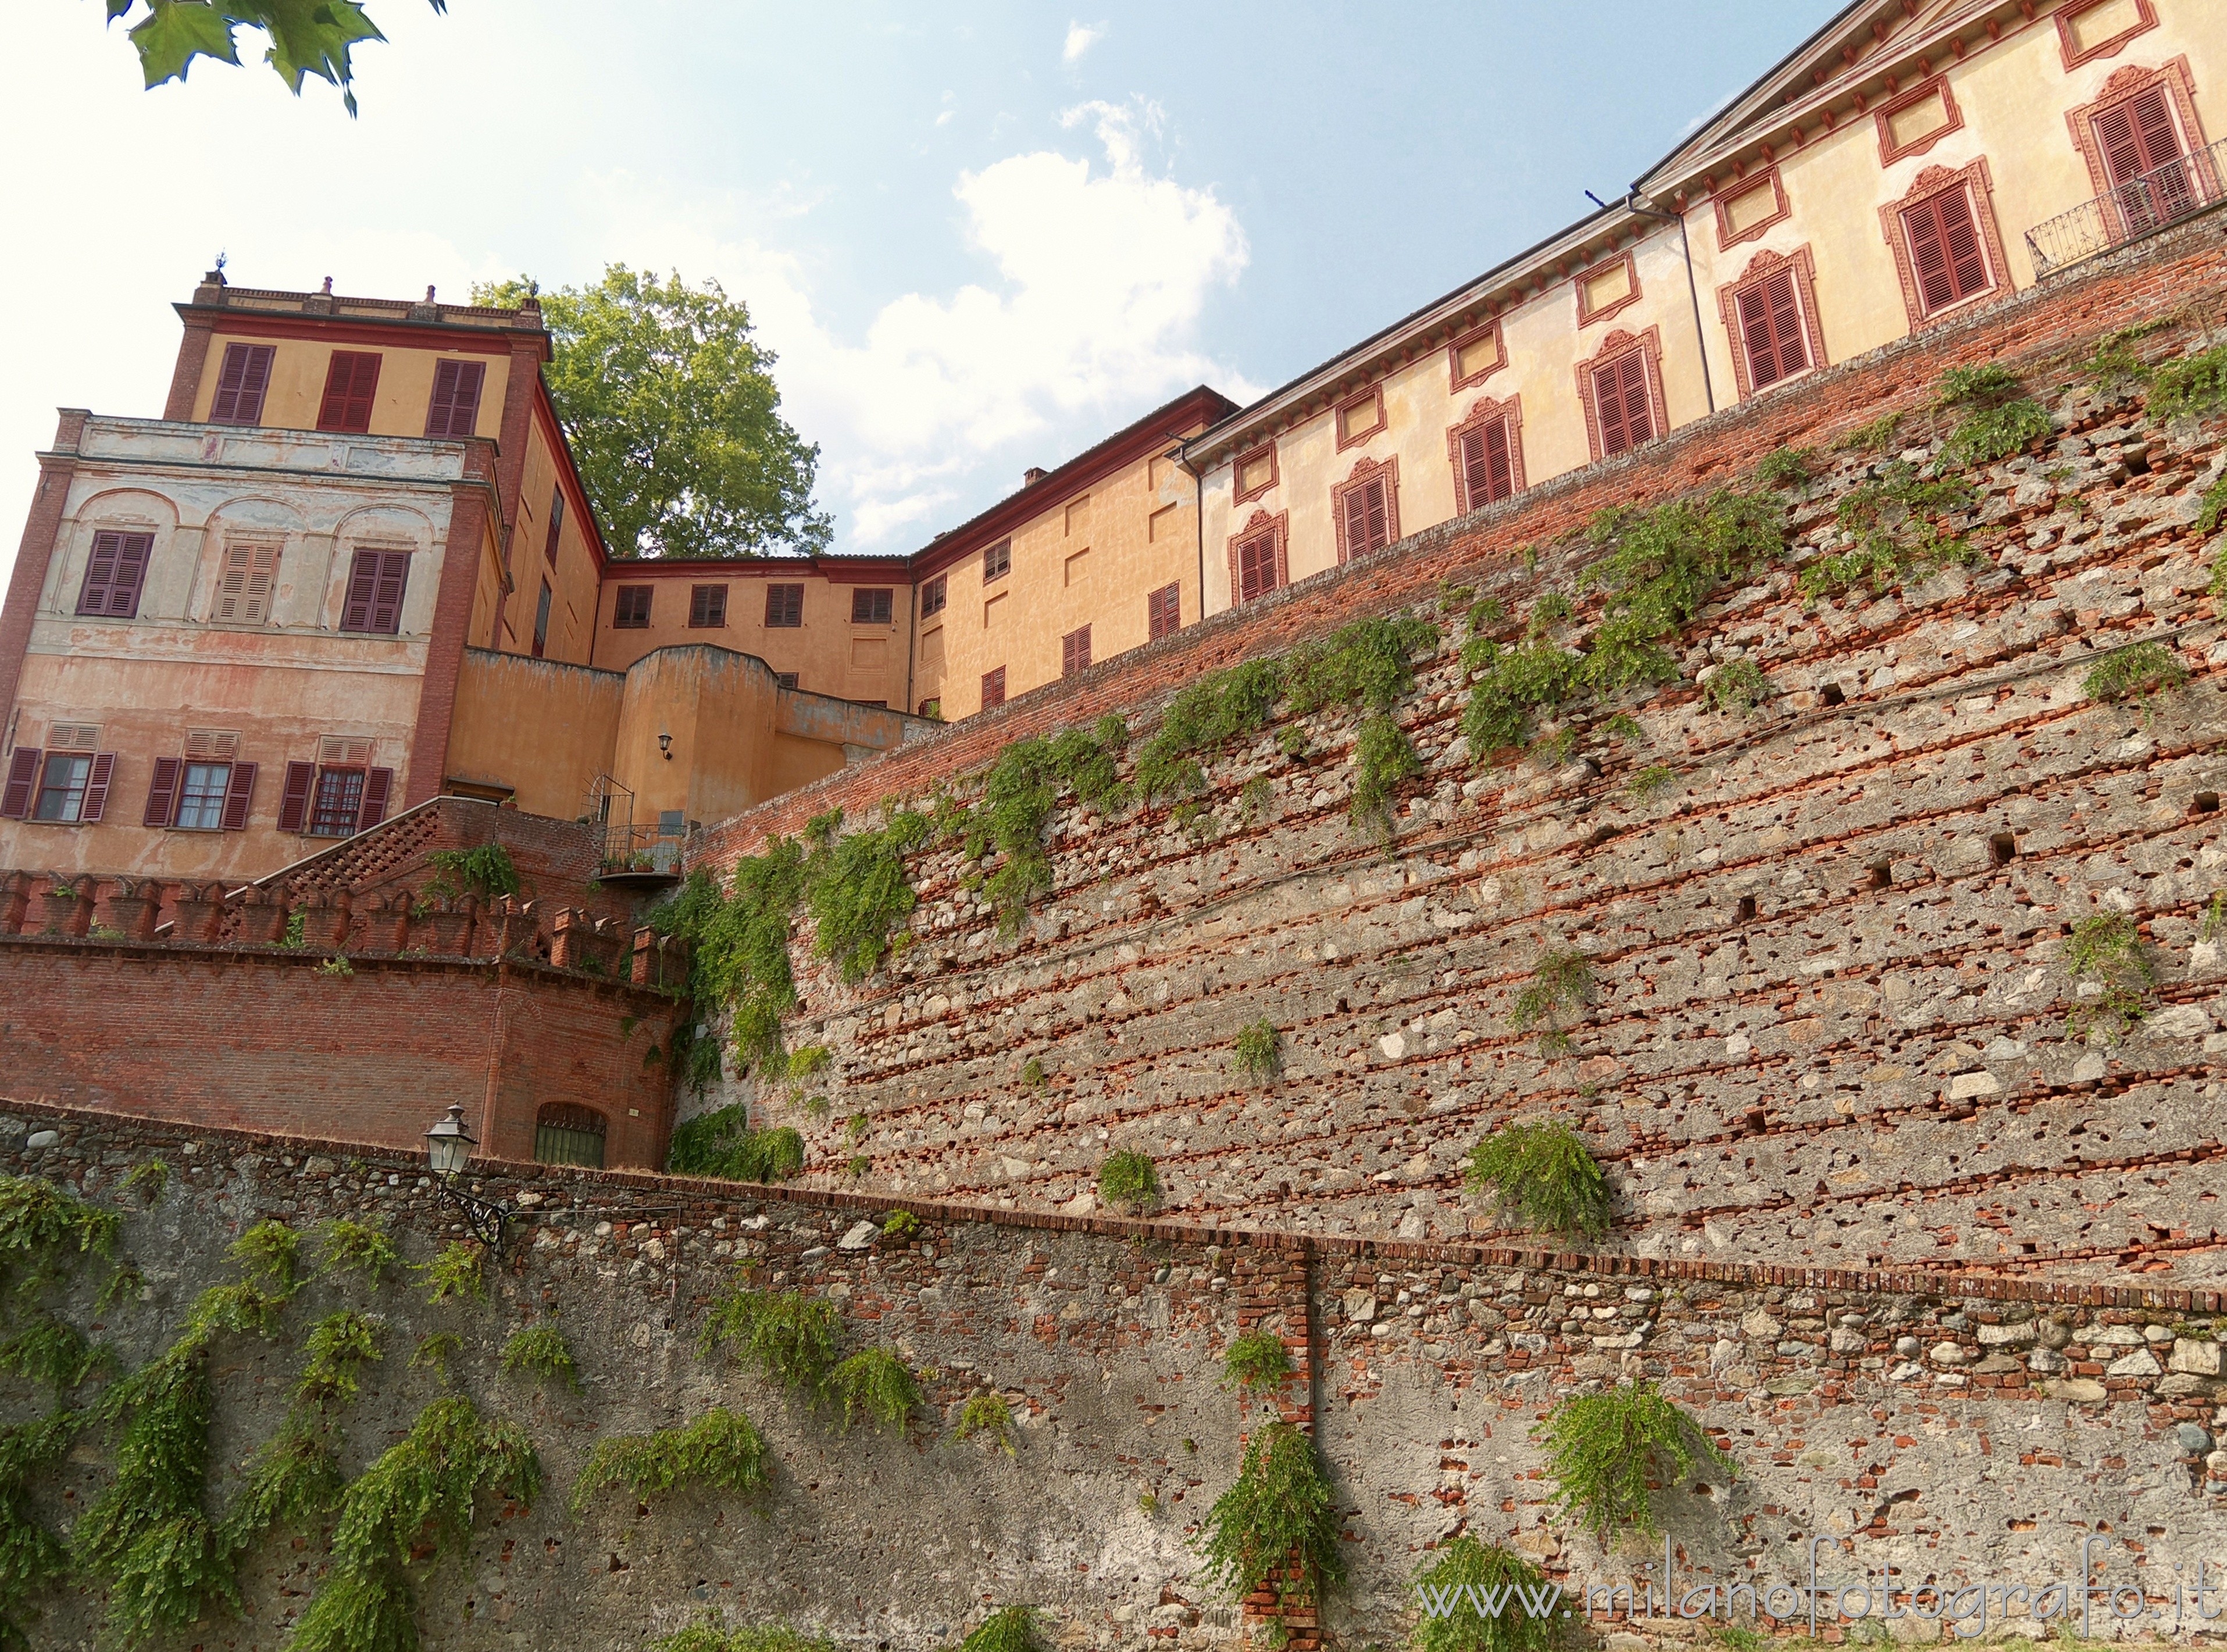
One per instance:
(979,237)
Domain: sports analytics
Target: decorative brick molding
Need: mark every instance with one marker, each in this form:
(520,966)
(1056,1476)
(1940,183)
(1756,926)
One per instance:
(1761,268)
(1727,237)
(1484,411)
(1456,381)
(2129,81)
(2068,41)
(35,555)
(1364,472)
(1278,526)
(1338,420)
(1588,317)
(1937,180)
(1891,151)
(1237,466)
(1616,344)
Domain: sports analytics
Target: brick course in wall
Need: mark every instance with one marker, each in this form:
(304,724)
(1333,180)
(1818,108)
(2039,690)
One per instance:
(1784,1059)
(1934,1429)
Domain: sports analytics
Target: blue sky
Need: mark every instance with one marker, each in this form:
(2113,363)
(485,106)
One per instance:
(980,236)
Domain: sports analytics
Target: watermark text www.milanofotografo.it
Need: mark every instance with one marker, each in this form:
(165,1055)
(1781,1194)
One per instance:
(2093,1598)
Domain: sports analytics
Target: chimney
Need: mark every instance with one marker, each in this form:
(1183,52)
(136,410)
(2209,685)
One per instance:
(1033,475)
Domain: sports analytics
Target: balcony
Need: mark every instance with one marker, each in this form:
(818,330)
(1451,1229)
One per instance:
(2155,201)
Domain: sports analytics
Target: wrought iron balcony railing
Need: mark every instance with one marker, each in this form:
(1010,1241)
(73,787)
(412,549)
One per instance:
(2177,190)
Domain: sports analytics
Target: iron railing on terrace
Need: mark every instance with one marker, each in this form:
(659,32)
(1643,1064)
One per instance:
(2179,189)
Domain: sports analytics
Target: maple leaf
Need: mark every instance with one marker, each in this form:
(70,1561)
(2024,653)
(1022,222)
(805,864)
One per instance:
(307,36)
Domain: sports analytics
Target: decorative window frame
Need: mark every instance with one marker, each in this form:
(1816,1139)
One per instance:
(1934,87)
(2074,56)
(1485,411)
(1583,278)
(1727,237)
(1938,179)
(1260,521)
(1455,382)
(1375,393)
(2126,82)
(1364,472)
(1246,495)
(1616,344)
(1760,268)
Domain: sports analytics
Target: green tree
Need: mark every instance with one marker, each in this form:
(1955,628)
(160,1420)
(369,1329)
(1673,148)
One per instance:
(307,36)
(675,422)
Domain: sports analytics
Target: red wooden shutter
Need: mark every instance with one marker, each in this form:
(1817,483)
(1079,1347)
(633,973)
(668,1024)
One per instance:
(114,573)
(1770,327)
(377,787)
(1075,652)
(240,385)
(22,775)
(455,410)
(1960,239)
(386,600)
(1945,249)
(363,585)
(294,802)
(993,688)
(1356,522)
(1256,566)
(96,787)
(163,793)
(1487,473)
(351,385)
(239,795)
(1620,398)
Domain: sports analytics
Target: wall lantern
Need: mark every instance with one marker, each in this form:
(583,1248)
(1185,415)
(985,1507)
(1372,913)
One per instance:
(448,1150)
(665,745)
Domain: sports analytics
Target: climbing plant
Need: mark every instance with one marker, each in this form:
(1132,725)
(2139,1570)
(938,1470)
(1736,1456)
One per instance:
(1129,1181)
(874,1386)
(1279,1518)
(789,1336)
(1482,1597)
(1542,1175)
(1891,535)
(722,1144)
(1256,1362)
(1561,984)
(720,1450)
(2113,977)
(1604,1448)
(1998,420)
(2195,384)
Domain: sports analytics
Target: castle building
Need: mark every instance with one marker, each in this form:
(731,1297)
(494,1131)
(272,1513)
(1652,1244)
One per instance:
(351,567)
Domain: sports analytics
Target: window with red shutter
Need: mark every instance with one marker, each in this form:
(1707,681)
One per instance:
(630,612)
(934,594)
(351,385)
(64,783)
(114,574)
(338,802)
(556,524)
(870,607)
(1945,254)
(294,800)
(1627,419)
(1075,652)
(378,580)
(455,411)
(1488,476)
(96,788)
(162,793)
(2141,151)
(784,607)
(1770,329)
(22,773)
(241,384)
(378,787)
(1365,516)
(238,796)
(1164,611)
(993,688)
(707,607)
(1256,565)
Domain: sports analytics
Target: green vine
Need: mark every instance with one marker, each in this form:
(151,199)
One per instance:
(541,1351)
(2142,671)
(1737,686)
(720,1450)
(1256,1362)
(1999,421)
(1009,1629)
(421,1492)
(786,1335)
(1018,796)
(875,1385)
(358,1248)
(340,1345)
(31,1557)
(986,1414)
(459,1270)
(1601,1452)
(1279,1517)
(1561,984)
(1893,536)
(2193,385)
(2105,954)
(1493,1600)
(722,1144)
(708,1636)
(858,891)
(1259,1051)
(1543,1175)
(487,872)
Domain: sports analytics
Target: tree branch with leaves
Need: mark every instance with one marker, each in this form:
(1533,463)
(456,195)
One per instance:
(307,36)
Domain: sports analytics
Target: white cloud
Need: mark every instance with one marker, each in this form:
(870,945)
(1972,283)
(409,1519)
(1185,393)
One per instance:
(1102,271)
(1081,38)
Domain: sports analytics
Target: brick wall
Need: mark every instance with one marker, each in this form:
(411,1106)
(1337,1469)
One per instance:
(1932,1428)
(266,1039)
(1782,1059)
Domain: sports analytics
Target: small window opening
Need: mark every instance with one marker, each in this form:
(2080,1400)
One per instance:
(1833,696)
(2002,849)
(1881,876)
(2138,462)
(2207,802)
(1746,912)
